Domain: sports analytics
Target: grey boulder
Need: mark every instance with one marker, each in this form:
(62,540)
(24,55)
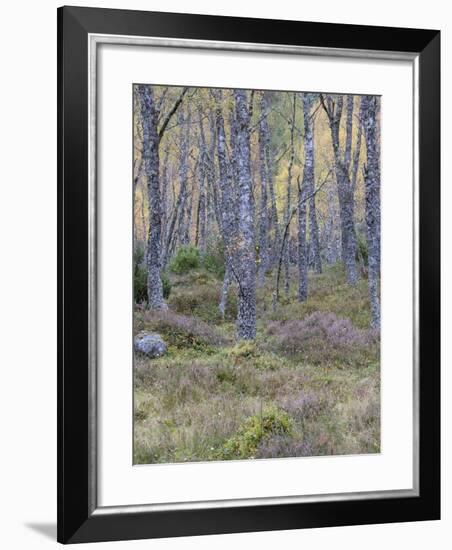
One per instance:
(150,344)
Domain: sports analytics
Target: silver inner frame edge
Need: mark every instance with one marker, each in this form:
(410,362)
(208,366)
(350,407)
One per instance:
(93,41)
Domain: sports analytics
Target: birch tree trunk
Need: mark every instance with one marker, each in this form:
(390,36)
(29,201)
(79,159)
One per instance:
(213,216)
(309,179)
(186,235)
(164,201)
(332,232)
(203,169)
(370,113)
(273,244)
(184,122)
(302,248)
(287,217)
(227,226)
(246,315)
(333,109)
(263,211)
(307,187)
(149,117)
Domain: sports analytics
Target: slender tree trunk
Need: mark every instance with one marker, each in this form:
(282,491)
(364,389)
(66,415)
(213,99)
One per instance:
(331,237)
(314,236)
(184,122)
(263,212)
(307,187)
(308,181)
(370,111)
(348,132)
(149,117)
(246,315)
(356,155)
(302,248)
(289,197)
(213,209)
(333,109)
(232,165)
(164,201)
(274,242)
(227,225)
(200,234)
(201,216)
(186,237)
(171,233)
(225,290)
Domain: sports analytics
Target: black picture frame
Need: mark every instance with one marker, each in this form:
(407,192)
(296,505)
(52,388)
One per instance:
(78,518)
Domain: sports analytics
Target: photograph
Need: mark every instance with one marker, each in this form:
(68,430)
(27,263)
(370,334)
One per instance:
(248,267)
(256,273)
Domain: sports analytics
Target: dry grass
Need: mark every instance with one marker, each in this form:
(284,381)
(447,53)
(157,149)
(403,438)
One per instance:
(319,370)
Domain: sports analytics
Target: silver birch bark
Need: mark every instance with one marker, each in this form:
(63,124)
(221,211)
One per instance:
(307,185)
(370,113)
(287,217)
(333,108)
(213,203)
(184,122)
(186,237)
(275,238)
(201,215)
(149,118)
(263,211)
(164,201)
(331,231)
(302,247)
(246,314)
(227,225)
(308,102)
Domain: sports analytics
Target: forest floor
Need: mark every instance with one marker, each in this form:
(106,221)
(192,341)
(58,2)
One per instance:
(309,385)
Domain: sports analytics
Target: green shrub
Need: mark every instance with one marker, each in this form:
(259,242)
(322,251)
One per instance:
(140,291)
(166,286)
(361,248)
(254,431)
(140,277)
(186,258)
(140,284)
(245,349)
(213,261)
(138,253)
(226,373)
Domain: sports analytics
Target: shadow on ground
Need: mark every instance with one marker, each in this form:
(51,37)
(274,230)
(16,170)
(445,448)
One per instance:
(48,530)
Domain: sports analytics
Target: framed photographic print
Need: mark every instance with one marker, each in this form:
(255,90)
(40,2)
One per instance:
(248,274)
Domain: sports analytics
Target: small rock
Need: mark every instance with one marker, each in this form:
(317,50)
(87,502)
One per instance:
(150,344)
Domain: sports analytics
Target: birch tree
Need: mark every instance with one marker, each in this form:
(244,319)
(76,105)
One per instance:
(202,171)
(333,107)
(309,179)
(263,210)
(184,121)
(149,118)
(269,158)
(246,314)
(307,186)
(288,217)
(370,114)
(227,225)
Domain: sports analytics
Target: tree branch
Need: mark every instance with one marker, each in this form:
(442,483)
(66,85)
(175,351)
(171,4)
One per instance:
(171,113)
